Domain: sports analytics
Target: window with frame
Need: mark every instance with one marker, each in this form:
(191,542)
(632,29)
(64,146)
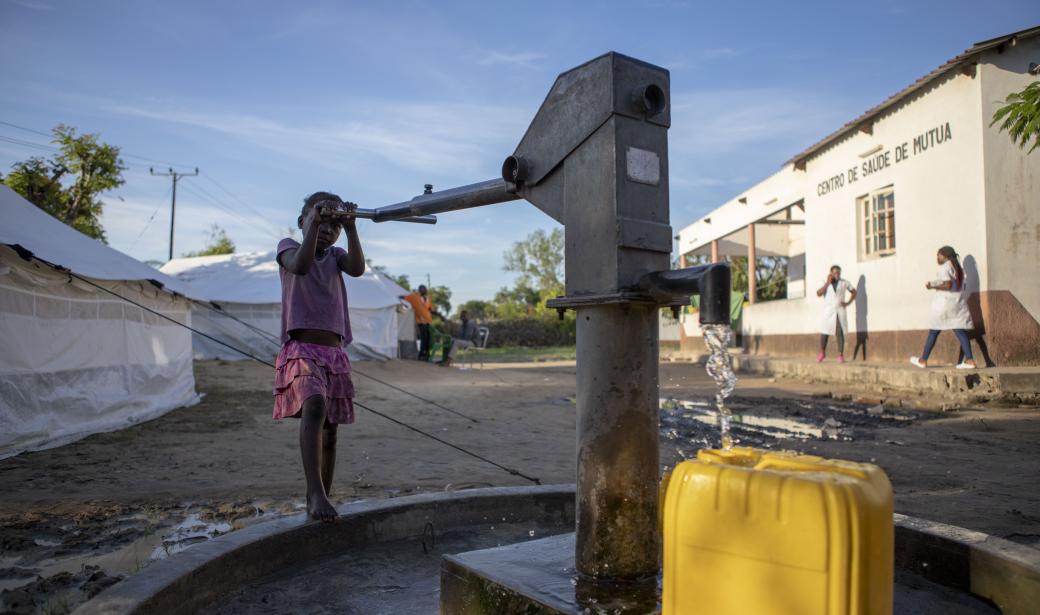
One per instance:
(877,223)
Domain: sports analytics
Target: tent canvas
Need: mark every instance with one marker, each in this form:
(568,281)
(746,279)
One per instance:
(247,288)
(76,360)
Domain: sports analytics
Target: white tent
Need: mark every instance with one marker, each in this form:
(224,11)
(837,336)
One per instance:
(75,360)
(247,287)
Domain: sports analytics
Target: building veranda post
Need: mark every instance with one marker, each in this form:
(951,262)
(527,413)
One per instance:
(878,197)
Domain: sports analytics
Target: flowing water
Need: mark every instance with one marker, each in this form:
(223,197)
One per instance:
(718,339)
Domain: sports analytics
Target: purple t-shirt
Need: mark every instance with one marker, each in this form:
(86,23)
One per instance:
(317,300)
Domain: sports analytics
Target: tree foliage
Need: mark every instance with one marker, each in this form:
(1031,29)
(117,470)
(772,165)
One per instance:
(518,302)
(770,276)
(1020,116)
(441,298)
(538,260)
(69,185)
(218,243)
(477,309)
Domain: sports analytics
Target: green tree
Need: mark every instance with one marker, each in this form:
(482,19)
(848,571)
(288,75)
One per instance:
(218,243)
(538,260)
(770,276)
(69,185)
(441,298)
(1020,116)
(517,302)
(477,309)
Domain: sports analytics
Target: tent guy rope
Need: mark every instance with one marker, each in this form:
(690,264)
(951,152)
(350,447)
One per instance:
(216,307)
(28,255)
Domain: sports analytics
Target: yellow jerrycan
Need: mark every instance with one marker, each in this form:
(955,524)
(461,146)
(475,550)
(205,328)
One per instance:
(776,533)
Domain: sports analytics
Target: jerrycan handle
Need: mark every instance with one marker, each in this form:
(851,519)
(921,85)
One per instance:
(808,463)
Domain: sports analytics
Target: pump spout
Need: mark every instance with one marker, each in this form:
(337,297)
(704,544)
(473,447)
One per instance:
(711,282)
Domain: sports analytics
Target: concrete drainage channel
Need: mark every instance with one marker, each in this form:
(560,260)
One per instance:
(385,557)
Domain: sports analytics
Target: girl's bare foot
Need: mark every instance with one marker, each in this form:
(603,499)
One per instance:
(320,509)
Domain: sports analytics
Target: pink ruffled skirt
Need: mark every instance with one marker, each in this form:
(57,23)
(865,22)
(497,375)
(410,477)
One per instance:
(304,370)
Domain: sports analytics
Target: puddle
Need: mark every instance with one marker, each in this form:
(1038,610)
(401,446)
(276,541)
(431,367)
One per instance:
(692,424)
(53,562)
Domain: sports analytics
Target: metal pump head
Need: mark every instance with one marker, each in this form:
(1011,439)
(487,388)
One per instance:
(595,158)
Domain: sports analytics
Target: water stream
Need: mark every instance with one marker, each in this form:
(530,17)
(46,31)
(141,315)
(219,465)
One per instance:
(718,339)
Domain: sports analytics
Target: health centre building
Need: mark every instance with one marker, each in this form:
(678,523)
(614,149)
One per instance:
(878,197)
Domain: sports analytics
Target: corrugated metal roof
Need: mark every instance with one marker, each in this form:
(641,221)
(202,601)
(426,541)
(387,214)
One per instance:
(964,61)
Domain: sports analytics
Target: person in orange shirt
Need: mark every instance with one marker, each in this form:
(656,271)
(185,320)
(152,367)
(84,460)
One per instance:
(422,308)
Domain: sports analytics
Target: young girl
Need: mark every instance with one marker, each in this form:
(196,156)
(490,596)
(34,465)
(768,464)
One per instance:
(949,310)
(312,381)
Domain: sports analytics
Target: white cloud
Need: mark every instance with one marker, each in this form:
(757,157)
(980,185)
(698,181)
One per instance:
(525,58)
(413,249)
(35,5)
(410,136)
(735,119)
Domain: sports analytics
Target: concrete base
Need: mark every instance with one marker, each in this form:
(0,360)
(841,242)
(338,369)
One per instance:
(534,578)
(538,577)
(957,559)
(1011,384)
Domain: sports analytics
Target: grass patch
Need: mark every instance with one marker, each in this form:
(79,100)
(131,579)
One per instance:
(524,354)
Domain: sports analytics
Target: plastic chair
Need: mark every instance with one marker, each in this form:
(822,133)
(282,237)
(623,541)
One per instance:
(439,340)
(483,333)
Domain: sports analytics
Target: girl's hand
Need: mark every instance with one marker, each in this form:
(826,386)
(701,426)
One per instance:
(349,207)
(312,218)
(928,285)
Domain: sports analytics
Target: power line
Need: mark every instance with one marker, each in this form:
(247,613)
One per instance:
(146,225)
(50,135)
(227,209)
(266,227)
(230,194)
(27,143)
(250,219)
(173,202)
(37,132)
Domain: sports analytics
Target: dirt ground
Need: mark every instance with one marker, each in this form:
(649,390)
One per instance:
(75,519)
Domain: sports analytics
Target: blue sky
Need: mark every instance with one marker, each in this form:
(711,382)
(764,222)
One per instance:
(274,100)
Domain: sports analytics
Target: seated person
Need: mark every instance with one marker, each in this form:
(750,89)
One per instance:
(469,336)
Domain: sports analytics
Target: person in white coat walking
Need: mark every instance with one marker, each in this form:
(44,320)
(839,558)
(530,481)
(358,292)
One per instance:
(949,308)
(835,321)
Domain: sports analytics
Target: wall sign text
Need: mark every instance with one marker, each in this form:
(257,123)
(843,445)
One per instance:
(881,160)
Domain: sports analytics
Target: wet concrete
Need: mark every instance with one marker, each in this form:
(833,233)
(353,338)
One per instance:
(539,577)
(385,557)
(690,424)
(401,576)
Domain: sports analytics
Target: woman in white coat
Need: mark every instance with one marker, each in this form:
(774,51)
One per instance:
(949,308)
(835,321)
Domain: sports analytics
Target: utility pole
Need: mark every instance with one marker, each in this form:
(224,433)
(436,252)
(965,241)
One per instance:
(173,202)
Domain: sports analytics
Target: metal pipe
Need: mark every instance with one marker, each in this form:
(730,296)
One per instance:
(370,214)
(617,433)
(464,197)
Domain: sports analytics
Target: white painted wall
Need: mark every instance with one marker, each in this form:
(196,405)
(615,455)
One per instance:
(939,200)
(1012,186)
